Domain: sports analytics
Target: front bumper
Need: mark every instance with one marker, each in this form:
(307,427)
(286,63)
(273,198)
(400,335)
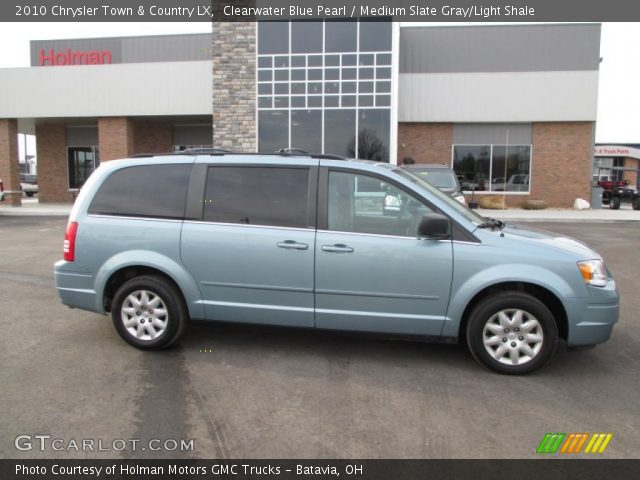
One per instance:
(591,321)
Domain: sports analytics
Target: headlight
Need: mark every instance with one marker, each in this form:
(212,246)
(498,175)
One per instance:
(593,272)
(461,199)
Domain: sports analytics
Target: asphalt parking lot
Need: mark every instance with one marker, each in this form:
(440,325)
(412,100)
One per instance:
(253,392)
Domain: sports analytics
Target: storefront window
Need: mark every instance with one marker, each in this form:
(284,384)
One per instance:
(493,168)
(305,125)
(472,166)
(274,130)
(373,135)
(82,161)
(603,172)
(510,168)
(339,131)
(319,93)
(273,37)
(306,37)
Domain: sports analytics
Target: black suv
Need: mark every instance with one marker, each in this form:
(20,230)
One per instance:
(441,177)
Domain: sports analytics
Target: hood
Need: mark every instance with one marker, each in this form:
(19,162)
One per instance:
(551,239)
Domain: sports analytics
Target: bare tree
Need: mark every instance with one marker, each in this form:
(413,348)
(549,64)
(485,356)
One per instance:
(370,146)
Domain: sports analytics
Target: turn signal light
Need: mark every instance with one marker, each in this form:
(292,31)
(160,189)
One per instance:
(593,272)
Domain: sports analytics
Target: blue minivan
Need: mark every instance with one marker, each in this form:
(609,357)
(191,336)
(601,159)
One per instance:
(316,242)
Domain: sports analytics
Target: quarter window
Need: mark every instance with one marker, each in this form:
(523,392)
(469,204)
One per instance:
(364,204)
(271,196)
(157,191)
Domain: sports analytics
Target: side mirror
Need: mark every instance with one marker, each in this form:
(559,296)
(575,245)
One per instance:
(434,226)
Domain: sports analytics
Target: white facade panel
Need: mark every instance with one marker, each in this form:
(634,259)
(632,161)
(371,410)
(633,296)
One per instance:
(135,89)
(498,97)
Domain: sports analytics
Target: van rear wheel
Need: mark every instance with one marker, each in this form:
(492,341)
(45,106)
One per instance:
(149,313)
(512,333)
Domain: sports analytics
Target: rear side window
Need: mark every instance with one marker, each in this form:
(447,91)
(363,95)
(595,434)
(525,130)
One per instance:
(157,191)
(257,196)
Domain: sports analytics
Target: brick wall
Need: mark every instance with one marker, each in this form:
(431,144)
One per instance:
(52,164)
(151,137)
(561,162)
(632,177)
(425,142)
(118,138)
(9,163)
(115,137)
(561,157)
(234,85)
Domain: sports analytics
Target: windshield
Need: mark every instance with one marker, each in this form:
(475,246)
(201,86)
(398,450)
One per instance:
(454,204)
(440,178)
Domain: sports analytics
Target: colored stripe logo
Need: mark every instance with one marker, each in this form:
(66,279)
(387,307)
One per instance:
(573,443)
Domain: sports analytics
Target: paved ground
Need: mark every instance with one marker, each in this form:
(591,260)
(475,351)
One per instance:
(263,393)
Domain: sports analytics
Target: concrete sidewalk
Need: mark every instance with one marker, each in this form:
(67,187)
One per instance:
(31,207)
(568,215)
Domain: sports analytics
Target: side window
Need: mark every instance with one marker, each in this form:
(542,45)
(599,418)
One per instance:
(364,204)
(257,196)
(157,191)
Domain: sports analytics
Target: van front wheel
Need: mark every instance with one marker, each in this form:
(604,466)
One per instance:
(148,312)
(512,333)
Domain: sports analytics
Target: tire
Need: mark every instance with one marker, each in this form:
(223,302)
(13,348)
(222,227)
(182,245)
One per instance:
(29,194)
(636,204)
(614,204)
(499,344)
(139,317)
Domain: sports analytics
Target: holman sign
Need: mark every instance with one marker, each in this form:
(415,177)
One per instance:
(74,57)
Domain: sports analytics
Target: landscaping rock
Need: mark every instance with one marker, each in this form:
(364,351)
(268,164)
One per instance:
(492,203)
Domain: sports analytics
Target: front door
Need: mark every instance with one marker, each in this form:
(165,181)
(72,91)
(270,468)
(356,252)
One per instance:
(372,272)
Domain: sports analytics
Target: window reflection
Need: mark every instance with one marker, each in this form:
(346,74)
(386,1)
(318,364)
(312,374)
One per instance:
(495,168)
(314,87)
(305,125)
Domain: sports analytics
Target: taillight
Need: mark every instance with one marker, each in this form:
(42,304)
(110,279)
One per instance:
(69,248)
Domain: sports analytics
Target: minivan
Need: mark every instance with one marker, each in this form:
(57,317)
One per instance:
(306,241)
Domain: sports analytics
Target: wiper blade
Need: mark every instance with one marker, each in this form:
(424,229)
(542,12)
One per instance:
(492,223)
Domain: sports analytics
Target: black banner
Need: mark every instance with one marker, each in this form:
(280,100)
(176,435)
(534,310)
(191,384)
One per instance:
(547,469)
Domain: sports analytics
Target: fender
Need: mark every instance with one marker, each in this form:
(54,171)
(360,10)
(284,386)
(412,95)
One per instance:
(146,258)
(535,275)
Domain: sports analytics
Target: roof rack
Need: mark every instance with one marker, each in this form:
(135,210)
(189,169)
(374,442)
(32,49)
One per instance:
(206,150)
(285,152)
(292,151)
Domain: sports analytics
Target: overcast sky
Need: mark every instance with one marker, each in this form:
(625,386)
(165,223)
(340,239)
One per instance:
(619,86)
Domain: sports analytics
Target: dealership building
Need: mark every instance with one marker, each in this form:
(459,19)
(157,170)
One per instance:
(511,108)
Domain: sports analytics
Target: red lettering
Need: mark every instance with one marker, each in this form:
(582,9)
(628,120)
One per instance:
(78,58)
(46,58)
(69,57)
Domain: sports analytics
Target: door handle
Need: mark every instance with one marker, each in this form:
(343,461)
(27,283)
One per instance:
(292,244)
(337,248)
